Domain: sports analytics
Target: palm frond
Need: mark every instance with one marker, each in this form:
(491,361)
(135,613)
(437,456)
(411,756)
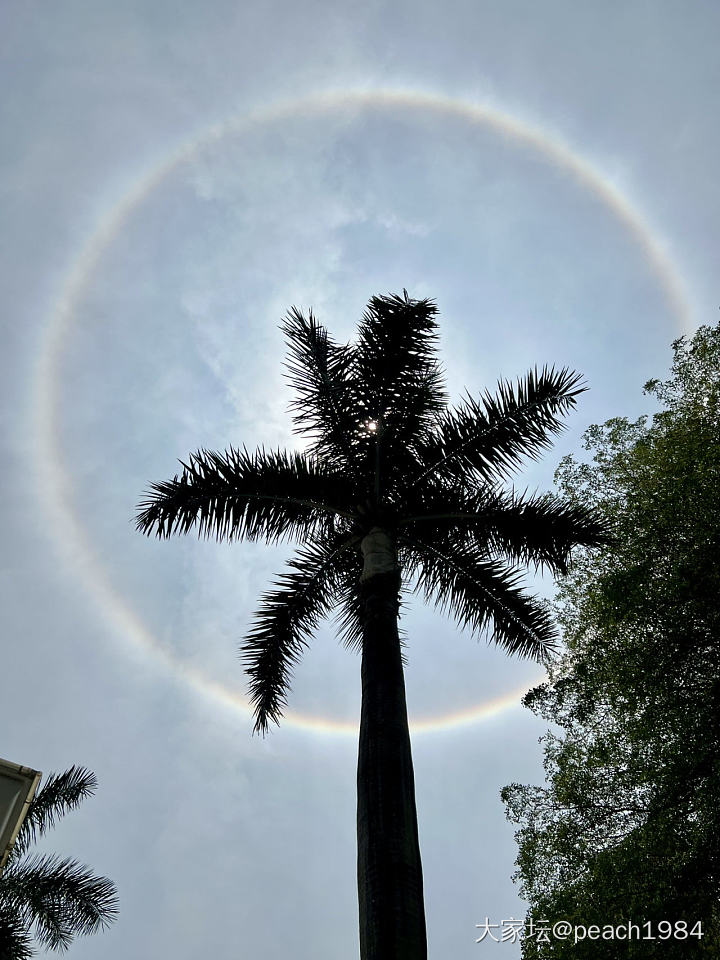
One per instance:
(399,380)
(238,495)
(60,898)
(319,371)
(474,590)
(60,793)
(15,941)
(490,441)
(348,617)
(540,530)
(288,616)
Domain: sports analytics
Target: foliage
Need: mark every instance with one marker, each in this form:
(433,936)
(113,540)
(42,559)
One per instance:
(628,826)
(385,451)
(45,896)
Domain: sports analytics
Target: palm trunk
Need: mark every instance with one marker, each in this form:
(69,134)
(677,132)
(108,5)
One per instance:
(392,913)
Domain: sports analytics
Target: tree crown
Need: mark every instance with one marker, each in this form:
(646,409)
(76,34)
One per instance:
(385,450)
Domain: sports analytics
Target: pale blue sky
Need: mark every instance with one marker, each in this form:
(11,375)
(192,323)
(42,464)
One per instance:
(220,842)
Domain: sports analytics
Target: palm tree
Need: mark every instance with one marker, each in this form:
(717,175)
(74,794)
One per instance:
(44,895)
(394,488)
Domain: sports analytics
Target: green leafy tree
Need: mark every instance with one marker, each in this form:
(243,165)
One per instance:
(628,825)
(44,899)
(393,488)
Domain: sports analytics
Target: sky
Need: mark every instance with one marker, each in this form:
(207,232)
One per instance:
(175,177)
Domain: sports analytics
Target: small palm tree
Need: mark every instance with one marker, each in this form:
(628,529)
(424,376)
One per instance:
(43,895)
(394,488)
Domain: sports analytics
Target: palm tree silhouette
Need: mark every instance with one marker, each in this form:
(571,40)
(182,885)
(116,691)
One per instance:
(394,488)
(54,899)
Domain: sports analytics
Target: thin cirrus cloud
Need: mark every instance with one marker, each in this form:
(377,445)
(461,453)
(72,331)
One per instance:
(224,303)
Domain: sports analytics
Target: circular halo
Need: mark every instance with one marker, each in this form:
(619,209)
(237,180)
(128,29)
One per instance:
(55,483)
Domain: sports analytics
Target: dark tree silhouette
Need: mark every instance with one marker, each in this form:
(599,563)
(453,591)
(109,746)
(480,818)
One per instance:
(394,488)
(43,896)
